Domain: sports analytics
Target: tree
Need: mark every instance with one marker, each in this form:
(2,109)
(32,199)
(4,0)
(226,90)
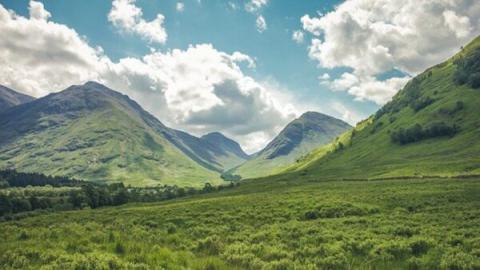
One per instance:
(5,205)
(121,197)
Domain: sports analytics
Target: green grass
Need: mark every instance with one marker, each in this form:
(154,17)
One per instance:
(120,149)
(268,223)
(370,152)
(305,133)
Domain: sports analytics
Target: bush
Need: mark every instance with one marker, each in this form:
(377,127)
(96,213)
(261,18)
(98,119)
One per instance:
(456,259)
(119,248)
(418,133)
(468,70)
(419,246)
(421,103)
(210,245)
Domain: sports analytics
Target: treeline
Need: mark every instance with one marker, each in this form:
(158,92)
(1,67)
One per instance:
(418,133)
(12,178)
(468,69)
(74,194)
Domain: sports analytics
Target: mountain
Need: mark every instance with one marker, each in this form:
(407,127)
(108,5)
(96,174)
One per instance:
(92,132)
(298,138)
(430,128)
(10,98)
(213,151)
(226,144)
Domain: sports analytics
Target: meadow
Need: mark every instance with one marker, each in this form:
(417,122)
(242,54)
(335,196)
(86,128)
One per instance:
(271,223)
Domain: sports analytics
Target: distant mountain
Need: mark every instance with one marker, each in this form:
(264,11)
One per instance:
(430,128)
(298,138)
(226,144)
(92,132)
(217,153)
(10,98)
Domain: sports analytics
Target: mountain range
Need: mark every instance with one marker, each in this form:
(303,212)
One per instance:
(429,128)
(94,133)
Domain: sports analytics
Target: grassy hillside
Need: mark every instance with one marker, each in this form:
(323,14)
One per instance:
(298,138)
(430,128)
(280,223)
(93,133)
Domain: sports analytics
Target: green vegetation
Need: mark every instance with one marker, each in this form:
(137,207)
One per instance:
(298,138)
(274,223)
(25,192)
(430,128)
(93,133)
(418,133)
(468,71)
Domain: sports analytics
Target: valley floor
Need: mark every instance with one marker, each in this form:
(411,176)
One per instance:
(289,224)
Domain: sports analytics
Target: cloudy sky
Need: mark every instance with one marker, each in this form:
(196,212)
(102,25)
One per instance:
(245,68)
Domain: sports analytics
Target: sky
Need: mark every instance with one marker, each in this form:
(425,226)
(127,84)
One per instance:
(244,68)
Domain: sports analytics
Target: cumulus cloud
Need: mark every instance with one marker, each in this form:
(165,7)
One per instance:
(199,89)
(261,24)
(180,7)
(255,5)
(373,37)
(37,11)
(128,17)
(298,36)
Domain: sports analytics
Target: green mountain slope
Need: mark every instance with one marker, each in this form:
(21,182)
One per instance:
(430,128)
(10,98)
(298,138)
(94,133)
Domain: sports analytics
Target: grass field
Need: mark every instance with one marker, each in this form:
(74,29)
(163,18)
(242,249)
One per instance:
(264,224)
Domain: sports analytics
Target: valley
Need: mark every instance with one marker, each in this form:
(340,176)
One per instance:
(164,152)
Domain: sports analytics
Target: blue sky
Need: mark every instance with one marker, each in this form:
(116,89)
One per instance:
(227,29)
(367,59)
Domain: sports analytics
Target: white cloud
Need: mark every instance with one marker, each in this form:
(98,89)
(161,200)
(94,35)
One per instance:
(255,5)
(298,36)
(376,36)
(199,89)
(37,11)
(128,17)
(180,7)
(324,77)
(458,24)
(261,24)
(346,114)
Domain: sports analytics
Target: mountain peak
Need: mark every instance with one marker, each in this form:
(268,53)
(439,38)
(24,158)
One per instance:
(314,127)
(10,98)
(214,134)
(227,144)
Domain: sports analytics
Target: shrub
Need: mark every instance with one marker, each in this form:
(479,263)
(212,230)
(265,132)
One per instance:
(419,246)
(468,70)
(418,133)
(119,248)
(456,259)
(421,103)
(210,245)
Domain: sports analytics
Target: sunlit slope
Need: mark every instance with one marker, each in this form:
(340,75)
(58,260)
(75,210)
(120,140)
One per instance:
(93,133)
(298,138)
(445,142)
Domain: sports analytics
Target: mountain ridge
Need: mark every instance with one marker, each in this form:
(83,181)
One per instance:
(92,132)
(429,128)
(297,138)
(10,98)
